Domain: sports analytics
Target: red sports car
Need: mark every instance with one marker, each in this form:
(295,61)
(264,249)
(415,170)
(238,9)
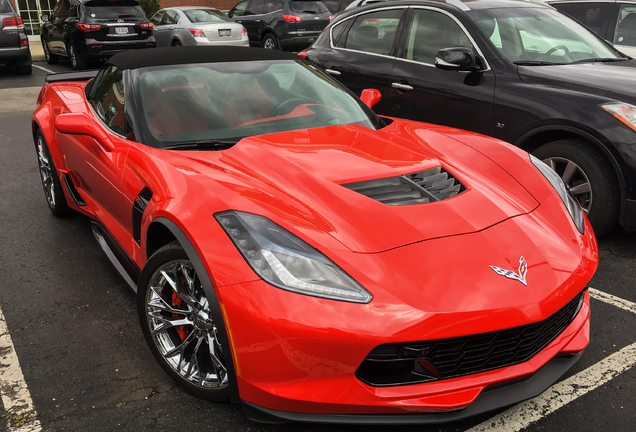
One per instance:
(294,252)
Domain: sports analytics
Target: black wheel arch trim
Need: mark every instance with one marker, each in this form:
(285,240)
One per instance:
(522,142)
(488,400)
(210,292)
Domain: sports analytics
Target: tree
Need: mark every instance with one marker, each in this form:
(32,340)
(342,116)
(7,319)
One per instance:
(149,6)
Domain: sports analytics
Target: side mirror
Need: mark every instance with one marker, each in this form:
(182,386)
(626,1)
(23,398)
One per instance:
(370,97)
(457,59)
(82,124)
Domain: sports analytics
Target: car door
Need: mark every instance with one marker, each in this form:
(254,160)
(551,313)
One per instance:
(96,166)
(249,13)
(55,27)
(164,33)
(160,30)
(363,51)
(421,91)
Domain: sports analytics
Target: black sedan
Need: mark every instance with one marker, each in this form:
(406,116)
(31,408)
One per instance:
(518,71)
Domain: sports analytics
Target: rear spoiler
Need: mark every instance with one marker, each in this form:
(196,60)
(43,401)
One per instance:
(71,76)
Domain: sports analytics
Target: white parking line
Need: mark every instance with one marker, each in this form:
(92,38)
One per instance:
(614,301)
(524,414)
(44,69)
(15,394)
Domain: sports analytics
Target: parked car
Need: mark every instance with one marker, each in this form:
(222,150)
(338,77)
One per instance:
(611,19)
(194,25)
(518,71)
(281,24)
(14,44)
(294,252)
(90,30)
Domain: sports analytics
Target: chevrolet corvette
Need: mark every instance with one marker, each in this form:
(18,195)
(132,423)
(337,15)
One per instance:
(298,254)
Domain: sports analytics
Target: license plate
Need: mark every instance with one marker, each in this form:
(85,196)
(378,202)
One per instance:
(121,30)
(225,32)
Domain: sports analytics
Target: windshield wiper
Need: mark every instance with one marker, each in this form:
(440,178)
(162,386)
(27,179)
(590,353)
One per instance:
(202,145)
(534,63)
(602,60)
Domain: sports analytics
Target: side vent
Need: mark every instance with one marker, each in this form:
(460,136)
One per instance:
(74,192)
(435,184)
(139,206)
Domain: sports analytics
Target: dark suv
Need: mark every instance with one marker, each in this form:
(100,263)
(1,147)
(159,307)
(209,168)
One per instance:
(281,24)
(14,45)
(85,30)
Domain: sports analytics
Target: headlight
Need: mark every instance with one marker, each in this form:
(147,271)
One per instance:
(624,112)
(570,202)
(285,261)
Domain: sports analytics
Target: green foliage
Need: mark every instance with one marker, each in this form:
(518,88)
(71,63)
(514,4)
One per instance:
(149,6)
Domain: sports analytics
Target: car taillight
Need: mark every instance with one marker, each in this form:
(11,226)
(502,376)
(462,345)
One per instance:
(244,31)
(196,32)
(302,54)
(330,17)
(148,26)
(88,27)
(12,23)
(292,18)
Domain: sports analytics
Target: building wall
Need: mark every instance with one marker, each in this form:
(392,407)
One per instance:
(223,5)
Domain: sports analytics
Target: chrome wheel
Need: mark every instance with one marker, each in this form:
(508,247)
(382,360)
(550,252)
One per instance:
(46,171)
(270,42)
(575,180)
(180,322)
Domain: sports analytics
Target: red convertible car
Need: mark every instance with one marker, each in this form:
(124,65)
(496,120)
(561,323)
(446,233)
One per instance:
(296,253)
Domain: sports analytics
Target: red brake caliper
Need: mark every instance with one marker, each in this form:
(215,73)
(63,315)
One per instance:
(182,330)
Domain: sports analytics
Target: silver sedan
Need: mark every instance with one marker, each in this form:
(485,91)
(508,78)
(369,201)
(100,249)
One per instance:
(194,25)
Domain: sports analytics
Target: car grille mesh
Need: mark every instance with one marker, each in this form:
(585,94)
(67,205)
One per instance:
(417,362)
(434,184)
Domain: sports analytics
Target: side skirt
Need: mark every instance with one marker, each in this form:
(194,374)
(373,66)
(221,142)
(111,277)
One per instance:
(117,256)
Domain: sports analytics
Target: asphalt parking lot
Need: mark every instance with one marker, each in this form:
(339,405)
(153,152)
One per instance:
(73,358)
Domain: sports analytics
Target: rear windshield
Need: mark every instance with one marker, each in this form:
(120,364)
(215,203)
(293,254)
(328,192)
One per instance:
(300,6)
(5,6)
(205,15)
(114,12)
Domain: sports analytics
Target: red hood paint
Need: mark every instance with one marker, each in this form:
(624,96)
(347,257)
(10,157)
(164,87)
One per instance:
(303,170)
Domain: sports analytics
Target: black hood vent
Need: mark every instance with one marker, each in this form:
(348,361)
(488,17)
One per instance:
(435,184)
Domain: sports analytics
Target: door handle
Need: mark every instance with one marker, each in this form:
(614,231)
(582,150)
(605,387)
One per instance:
(400,86)
(333,72)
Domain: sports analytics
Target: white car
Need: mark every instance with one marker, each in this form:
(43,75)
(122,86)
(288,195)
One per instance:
(194,25)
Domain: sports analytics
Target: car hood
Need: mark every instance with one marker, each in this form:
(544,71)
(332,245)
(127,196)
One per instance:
(619,78)
(303,173)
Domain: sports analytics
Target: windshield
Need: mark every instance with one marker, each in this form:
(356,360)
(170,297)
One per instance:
(112,12)
(205,103)
(540,36)
(302,6)
(206,16)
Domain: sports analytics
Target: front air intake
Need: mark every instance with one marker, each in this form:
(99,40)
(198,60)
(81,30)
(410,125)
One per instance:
(435,184)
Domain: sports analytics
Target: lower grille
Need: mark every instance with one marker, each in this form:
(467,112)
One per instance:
(417,362)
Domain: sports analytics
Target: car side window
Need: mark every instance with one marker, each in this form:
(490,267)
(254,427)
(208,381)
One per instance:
(109,102)
(171,17)
(255,7)
(74,10)
(590,14)
(626,26)
(272,6)
(431,31)
(373,32)
(239,9)
(156,18)
(61,10)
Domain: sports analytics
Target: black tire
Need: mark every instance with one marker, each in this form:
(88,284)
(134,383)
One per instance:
(589,177)
(270,42)
(77,61)
(183,347)
(176,43)
(48,56)
(50,178)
